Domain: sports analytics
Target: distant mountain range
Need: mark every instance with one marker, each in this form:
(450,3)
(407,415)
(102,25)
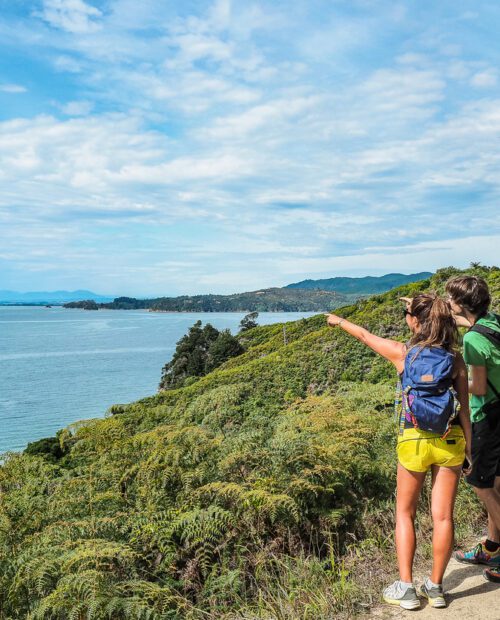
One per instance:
(367,285)
(49,297)
(307,296)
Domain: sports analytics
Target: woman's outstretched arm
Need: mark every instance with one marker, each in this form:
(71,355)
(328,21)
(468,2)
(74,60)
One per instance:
(392,350)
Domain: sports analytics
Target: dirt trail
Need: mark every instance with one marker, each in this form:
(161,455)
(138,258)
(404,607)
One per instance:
(469,596)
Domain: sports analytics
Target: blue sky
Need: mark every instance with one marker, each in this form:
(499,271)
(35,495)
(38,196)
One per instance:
(169,147)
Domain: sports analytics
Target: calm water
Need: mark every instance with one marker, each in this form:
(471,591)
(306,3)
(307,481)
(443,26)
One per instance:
(58,366)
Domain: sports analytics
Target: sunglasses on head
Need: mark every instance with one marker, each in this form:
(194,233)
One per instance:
(406,312)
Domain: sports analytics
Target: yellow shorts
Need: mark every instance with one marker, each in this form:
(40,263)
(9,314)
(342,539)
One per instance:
(418,450)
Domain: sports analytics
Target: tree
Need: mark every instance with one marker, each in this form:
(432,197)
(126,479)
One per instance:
(198,353)
(248,321)
(222,349)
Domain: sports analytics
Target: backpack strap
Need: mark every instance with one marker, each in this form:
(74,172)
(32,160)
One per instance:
(407,412)
(399,413)
(494,337)
(495,391)
(491,334)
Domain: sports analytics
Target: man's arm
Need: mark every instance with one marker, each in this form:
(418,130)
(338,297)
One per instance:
(478,380)
(460,385)
(476,353)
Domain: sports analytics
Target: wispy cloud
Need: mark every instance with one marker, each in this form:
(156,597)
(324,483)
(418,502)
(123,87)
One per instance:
(12,88)
(77,108)
(485,79)
(75,16)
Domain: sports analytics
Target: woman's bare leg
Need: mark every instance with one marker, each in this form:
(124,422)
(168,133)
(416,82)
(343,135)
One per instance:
(408,491)
(444,491)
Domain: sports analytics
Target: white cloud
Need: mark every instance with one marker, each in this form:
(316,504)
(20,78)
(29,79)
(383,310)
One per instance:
(77,108)
(12,88)
(59,154)
(412,58)
(75,16)
(458,70)
(485,79)
(278,113)
(197,46)
(67,64)
(219,167)
(408,89)
(336,37)
(192,91)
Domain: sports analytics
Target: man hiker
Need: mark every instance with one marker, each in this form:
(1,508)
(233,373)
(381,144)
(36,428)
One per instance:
(470,300)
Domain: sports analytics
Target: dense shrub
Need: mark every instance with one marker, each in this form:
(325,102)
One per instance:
(49,447)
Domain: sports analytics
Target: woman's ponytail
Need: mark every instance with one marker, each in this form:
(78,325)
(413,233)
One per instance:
(437,326)
(440,309)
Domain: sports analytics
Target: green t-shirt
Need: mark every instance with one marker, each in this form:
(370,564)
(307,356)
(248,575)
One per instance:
(479,351)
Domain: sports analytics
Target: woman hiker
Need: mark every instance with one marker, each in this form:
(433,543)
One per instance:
(434,433)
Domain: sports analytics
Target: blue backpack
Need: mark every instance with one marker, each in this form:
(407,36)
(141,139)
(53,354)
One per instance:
(429,401)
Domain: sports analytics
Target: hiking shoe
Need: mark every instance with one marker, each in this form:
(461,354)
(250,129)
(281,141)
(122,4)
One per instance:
(492,574)
(433,593)
(479,555)
(401,594)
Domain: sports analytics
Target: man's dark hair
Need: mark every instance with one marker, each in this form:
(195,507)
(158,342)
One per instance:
(470,292)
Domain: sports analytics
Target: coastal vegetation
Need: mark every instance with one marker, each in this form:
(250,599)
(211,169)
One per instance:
(263,489)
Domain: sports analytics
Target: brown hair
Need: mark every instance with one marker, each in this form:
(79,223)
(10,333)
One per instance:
(437,325)
(470,292)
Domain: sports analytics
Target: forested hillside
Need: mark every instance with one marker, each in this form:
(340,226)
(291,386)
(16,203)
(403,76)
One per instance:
(367,285)
(306,296)
(262,490)
(265,300)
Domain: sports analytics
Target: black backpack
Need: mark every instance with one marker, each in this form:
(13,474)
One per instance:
(492,409)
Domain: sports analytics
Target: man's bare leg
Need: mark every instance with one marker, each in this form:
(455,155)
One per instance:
(491,499)
(493,530)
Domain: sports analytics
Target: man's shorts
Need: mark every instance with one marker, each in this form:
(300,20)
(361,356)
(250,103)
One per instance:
(485,454)
(418,450)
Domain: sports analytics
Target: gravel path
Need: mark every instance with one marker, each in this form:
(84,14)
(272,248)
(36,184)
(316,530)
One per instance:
(469,596)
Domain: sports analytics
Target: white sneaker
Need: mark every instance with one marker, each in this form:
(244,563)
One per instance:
(401,594)
(433,593)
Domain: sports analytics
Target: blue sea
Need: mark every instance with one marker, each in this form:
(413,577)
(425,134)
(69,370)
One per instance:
(58,366)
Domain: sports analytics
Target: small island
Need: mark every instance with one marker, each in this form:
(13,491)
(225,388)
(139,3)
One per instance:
(86,304)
